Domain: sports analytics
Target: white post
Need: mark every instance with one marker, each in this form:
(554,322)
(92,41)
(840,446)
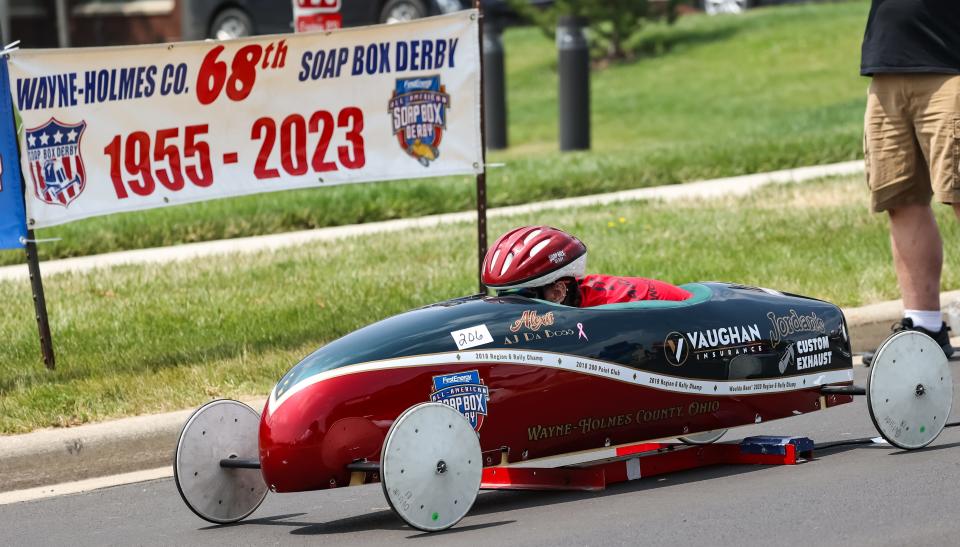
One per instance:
(63,19)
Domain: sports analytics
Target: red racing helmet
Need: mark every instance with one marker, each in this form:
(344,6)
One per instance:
(533,256)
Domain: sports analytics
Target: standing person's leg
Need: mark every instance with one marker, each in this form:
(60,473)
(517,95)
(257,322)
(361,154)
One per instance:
(936,98)
(898,152)
(917,255)
(918,261)
(899,181)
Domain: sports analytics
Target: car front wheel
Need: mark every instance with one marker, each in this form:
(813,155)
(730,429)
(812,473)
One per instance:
(714,7)
(395,11)
(231,23)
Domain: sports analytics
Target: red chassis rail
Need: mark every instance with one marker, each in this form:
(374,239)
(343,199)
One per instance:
(646,460)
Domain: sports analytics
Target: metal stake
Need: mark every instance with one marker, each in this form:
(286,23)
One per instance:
(481,177)
(494,89)
(39,302)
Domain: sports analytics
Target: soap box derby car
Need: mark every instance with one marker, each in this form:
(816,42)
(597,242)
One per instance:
(425,400)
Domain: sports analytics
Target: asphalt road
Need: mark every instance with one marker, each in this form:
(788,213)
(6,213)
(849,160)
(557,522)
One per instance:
(867,495)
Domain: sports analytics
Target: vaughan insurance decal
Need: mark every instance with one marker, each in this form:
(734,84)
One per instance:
(722,341)
(132,128)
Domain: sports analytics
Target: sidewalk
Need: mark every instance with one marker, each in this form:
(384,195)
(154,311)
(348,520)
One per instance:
(731,186)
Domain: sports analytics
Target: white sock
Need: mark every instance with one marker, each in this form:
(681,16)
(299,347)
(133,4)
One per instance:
(930,320)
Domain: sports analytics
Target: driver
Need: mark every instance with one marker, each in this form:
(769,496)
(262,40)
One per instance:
(549,264)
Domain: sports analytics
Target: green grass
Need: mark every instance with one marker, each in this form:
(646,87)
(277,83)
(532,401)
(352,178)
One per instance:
(771,89)
(139,339)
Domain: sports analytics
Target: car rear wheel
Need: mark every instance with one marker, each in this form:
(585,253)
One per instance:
(395,11)
(231,23)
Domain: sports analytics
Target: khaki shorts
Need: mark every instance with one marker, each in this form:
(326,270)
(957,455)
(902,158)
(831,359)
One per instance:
(911,141)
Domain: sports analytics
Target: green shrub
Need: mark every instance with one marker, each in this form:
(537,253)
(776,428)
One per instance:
(612,23)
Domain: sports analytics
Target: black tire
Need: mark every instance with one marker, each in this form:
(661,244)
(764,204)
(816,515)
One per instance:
(395,11)
(231,23)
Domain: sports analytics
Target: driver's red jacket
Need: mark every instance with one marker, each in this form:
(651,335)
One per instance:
(598,289)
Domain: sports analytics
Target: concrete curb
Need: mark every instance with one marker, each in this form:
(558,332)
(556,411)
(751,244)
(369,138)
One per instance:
(54,456)
(870,324)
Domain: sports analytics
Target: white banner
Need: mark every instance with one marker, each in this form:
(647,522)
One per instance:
(123,129)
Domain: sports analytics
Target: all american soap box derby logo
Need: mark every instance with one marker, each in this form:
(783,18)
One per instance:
(418,110)
(56,166)
(465,392)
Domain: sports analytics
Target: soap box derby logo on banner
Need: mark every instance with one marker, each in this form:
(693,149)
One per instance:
(419,108)
(56,166)
(124,129)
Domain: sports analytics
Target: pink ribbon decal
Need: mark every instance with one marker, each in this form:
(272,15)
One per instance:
(582,334)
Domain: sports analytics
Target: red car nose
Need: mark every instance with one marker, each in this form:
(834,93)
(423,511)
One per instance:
(308,439)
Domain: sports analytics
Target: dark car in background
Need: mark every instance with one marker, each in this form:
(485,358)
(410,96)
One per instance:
(122,22)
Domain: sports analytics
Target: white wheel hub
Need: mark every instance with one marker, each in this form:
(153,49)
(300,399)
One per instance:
(219,430)
(910,390)
(431,466)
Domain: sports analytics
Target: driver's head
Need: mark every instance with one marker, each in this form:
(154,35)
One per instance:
(541,260)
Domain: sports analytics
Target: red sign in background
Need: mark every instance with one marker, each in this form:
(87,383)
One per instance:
(309,15)
(319,21)
(329,6)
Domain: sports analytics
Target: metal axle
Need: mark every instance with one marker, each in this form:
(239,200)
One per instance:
(843,390)
(236,463)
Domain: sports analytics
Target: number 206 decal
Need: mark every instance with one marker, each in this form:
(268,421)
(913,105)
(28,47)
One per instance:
(472,336)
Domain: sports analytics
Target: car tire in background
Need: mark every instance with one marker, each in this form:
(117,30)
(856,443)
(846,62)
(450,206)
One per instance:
(715,7)
(231,23)
(395,11)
